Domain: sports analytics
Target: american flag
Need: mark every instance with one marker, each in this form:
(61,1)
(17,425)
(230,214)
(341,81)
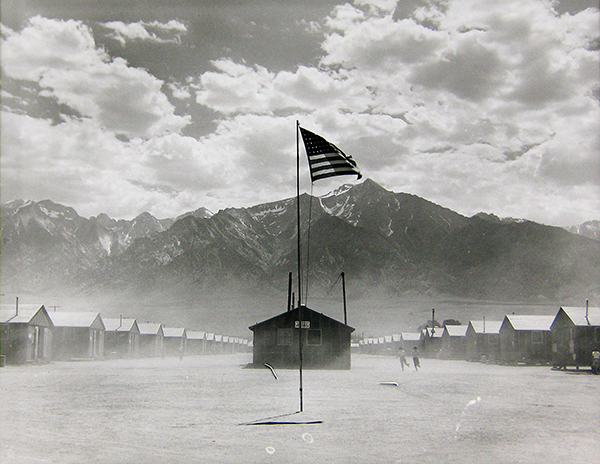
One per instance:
(325,159)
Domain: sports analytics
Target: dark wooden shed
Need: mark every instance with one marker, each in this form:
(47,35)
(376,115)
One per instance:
(575,334)
(151,338)
(174,342)
(122,337)
(77,335)
(454,342)
(525,339)
(325,341)
(432,341)
(210,343)
(26,334)
(483,341)
(196,342)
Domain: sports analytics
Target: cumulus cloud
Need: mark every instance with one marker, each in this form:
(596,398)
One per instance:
(179,92)
(154,31)
(165,174)
(238,88)
(61,56)
(476,105)
(505,75)
(154,168)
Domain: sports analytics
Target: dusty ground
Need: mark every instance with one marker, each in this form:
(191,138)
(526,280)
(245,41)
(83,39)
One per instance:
(192,411)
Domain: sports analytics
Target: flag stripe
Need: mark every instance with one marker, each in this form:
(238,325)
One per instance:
(331,173)
(334,168)
(320,164)
(325,159)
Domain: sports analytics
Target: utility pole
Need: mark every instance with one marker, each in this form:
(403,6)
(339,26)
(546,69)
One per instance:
(344,294)
(300,355)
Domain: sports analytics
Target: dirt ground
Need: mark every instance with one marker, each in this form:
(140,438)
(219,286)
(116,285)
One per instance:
(197,410)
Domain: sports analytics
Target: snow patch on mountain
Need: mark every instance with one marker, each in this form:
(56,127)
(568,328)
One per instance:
(52,214)
(589,229)
(105,243)
(22,204)
(276,211)
(339,191)
(388,231)
(344,210)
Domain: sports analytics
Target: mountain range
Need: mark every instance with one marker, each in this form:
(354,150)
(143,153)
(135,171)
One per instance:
(205,266)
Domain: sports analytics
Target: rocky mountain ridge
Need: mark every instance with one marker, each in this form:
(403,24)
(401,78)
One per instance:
(388,243)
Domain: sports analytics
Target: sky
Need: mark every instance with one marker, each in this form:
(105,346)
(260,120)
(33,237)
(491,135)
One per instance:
(123,106)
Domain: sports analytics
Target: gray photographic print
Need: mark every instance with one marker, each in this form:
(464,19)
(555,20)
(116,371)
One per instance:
(260,231)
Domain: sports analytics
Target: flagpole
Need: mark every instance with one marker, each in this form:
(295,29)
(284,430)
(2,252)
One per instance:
(298,213)
(299,265)
(300,353)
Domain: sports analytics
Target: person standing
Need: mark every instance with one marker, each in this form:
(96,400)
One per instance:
(596,361)
(416,361)
(402,356)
